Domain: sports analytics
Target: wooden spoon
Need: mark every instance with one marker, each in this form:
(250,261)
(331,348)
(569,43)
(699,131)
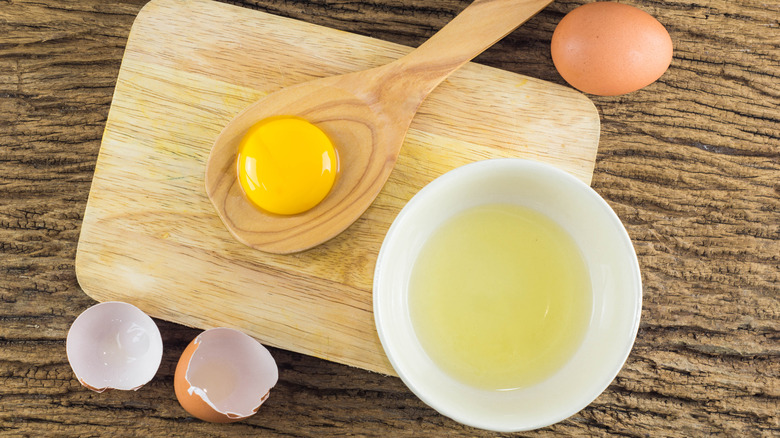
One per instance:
(366,114)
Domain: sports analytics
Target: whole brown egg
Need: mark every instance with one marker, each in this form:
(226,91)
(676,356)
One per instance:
(608,48)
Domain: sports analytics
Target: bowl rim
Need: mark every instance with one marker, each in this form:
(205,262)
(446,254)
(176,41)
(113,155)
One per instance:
(504,164)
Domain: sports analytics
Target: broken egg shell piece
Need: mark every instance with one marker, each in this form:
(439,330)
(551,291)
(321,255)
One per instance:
(114,345)
(224,375)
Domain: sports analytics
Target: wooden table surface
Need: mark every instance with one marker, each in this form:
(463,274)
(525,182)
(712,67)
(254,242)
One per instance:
(691,164)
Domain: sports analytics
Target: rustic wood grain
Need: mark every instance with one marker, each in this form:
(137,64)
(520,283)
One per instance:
(690,164)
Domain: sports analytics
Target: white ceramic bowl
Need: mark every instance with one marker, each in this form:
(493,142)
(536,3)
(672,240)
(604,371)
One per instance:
(614,273)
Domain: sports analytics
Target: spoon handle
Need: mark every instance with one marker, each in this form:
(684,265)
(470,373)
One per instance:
(479,26)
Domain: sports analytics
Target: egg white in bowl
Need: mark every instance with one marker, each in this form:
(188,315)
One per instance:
(615,300)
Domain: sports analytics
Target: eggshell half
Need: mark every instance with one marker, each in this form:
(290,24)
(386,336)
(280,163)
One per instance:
(608,48)
(224,376)
(114,345)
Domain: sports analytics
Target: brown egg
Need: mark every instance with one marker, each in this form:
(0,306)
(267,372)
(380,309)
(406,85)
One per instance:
(224,376)
(608,48)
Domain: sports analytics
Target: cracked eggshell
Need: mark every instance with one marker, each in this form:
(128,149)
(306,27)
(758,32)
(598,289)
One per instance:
(224,376)
(114,345)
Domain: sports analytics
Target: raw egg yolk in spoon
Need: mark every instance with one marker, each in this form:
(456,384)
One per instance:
(286,165)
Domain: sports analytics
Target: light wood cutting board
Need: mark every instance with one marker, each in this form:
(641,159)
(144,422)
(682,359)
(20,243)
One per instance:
(151,237)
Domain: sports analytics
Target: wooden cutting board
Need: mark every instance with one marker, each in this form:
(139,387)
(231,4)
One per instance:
(151,237)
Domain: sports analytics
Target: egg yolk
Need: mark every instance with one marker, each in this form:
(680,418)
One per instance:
(286,165)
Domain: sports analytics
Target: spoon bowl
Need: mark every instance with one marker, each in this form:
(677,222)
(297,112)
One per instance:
(366,114)
(361,143)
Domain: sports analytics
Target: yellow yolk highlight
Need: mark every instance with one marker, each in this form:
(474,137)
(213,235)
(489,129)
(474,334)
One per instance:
(286,165)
